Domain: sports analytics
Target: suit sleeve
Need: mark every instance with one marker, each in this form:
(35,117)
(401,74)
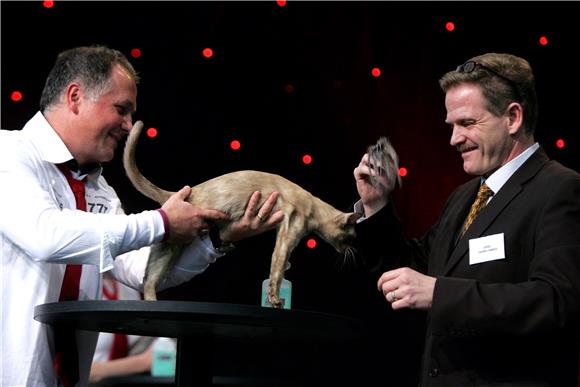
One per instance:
(382,245)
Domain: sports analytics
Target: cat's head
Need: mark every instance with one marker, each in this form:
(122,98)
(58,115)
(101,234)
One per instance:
(342,234)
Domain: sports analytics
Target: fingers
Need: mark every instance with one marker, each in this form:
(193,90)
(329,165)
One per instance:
(407,288)
(264,212)
(213,215)
(390,285)
(392,296)
(364,161)
(184,192)
(256,219)
(253,203)
(275,218)
(388,277)
(180,217)
(264,219)
(362,171)
(368,173)
(387,283)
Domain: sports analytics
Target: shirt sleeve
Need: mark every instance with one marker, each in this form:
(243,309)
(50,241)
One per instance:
(195,259)
(36,215)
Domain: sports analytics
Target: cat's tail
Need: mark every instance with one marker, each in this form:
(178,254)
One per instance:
(140,182)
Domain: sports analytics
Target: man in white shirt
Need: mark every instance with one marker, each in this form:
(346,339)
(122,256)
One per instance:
(85,110)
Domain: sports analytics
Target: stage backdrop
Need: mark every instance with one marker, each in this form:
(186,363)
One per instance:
(288,79)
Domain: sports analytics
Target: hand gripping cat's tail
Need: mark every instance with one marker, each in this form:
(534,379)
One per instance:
(140,182)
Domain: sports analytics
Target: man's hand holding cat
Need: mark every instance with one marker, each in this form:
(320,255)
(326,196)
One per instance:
(185,221)
(373,198)
(255,220)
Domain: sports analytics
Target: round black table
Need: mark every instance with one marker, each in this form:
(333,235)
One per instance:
(197,324)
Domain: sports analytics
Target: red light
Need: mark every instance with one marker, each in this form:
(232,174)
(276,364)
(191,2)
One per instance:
(403,171)
(560,143)
(281,3)
(543,41)
(450,26)
(135,53)
(48,4)
(376,72)
(152,132)
(235,145)
(16,96)
(289,88)
(307,159)
(311,243)
(207,52)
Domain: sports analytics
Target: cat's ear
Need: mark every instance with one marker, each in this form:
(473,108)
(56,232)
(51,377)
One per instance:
(352,217)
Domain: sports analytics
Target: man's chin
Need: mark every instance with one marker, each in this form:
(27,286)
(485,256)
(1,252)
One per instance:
(470,170)
(107,156)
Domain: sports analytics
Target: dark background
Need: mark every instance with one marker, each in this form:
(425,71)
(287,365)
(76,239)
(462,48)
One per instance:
(325,50)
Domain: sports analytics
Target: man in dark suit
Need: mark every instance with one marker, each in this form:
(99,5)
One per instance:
(501,286)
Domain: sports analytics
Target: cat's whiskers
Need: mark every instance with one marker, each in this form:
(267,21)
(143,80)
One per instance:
(349,259)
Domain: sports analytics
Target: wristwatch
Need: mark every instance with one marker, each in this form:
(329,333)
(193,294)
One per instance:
(219,245)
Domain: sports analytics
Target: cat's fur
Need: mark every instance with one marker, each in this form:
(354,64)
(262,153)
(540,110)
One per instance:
(303,213)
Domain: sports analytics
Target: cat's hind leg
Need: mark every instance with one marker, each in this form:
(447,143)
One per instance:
(161,259)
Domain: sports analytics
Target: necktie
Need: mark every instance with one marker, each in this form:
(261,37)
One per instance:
(120,346)
(66,361)
(483,195)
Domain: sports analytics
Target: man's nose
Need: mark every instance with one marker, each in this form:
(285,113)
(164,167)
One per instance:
(457,136)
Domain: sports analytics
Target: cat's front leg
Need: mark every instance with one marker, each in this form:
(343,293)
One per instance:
(279,258)
(286,241)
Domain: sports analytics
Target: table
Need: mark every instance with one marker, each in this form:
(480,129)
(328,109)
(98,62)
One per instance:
(196,325)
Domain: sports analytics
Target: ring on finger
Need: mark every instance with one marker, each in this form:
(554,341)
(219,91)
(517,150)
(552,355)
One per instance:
(260,217)
(394,296)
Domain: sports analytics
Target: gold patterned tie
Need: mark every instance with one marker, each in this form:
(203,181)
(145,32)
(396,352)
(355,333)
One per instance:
(483,194)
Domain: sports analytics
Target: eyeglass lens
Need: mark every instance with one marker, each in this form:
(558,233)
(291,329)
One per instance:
(467,67)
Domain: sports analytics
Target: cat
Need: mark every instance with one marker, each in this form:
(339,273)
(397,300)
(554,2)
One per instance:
(303,213)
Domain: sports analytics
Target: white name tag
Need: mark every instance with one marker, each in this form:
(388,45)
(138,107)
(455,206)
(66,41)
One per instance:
(488,248)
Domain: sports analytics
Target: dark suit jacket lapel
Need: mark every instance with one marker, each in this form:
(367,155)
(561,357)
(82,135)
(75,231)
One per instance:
(454,216)
(506,194)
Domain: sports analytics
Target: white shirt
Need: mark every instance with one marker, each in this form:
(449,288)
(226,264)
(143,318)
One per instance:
(40,227)
(497,179)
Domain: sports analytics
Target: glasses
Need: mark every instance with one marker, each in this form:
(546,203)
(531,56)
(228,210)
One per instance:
(470,66)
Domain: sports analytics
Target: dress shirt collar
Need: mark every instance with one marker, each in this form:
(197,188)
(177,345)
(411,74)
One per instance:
(53,149)
(497,179)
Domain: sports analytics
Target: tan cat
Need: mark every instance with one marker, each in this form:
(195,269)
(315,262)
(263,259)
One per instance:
(303,213)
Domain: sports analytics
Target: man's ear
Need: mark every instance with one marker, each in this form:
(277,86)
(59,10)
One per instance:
(73,97)
(515,117)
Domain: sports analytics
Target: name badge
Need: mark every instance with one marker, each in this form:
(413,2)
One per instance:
(485,249)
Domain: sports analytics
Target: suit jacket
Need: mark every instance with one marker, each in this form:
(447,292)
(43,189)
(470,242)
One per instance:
(505,322)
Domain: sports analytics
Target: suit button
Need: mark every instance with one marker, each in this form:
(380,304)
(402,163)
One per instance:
(433,372)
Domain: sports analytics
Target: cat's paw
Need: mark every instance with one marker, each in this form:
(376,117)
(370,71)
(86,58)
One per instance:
(275,301)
